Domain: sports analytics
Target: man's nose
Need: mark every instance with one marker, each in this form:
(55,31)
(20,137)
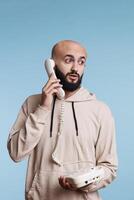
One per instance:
(75,66)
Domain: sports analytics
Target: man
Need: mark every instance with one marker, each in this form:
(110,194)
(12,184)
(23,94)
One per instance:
(64,136)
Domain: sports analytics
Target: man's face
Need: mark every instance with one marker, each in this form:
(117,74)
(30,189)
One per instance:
(70,60)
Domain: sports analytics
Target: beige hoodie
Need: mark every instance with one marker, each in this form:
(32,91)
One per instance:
(78,133)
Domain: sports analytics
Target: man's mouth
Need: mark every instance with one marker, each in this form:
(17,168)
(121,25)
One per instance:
(73,77)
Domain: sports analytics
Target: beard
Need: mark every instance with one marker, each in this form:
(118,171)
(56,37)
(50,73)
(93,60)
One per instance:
(66,84)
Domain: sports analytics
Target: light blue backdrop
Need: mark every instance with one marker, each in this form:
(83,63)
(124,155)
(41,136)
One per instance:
(28,30)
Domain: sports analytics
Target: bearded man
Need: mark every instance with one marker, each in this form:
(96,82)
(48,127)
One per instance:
(63,136)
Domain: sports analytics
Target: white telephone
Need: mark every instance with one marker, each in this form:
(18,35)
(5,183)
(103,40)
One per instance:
(49,66)
(85,177)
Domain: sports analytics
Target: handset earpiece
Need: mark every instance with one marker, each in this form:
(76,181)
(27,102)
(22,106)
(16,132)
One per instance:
(49,66)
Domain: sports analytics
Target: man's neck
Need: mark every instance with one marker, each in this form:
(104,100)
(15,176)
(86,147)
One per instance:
(69,93)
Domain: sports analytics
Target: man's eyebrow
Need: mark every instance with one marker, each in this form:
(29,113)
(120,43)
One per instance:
(83,57)
(69,55)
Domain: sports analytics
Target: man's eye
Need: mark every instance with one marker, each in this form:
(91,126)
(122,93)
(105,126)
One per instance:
(68,60)
(81,62)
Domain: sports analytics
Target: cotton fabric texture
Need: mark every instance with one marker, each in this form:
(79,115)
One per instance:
(83,136)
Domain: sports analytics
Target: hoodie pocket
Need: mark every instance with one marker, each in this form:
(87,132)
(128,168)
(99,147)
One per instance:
(45,186)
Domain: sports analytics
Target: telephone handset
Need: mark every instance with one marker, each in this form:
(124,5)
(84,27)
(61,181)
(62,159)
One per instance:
(49,66)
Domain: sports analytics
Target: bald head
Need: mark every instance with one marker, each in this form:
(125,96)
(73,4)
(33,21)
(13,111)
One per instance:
(70,58)
(66,46)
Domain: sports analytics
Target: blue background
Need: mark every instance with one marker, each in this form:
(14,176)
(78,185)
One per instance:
(28,30)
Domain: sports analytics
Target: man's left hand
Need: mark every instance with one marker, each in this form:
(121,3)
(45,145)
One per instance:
(65,184)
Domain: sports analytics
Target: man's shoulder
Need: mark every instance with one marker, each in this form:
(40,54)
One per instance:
(32,101)
(103,108)
(34,97)
(99,105)
(97,101)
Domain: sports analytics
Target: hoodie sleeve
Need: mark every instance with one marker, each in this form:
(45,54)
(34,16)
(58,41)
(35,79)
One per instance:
(26,131)
(106,156)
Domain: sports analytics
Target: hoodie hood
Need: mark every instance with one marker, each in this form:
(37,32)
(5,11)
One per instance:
(81,95)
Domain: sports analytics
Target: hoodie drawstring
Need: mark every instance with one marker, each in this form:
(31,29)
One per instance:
(52,114)
(75,120)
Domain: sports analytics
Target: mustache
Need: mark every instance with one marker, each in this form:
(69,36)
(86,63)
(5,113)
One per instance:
(67,85)
(73,72)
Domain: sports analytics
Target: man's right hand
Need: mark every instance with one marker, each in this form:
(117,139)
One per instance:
(49,90)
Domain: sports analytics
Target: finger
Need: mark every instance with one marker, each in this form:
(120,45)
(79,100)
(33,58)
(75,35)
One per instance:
(68,185)
(65,183)
(50,83)
(53,91)
(61,182)
(52,78)
(53,86)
